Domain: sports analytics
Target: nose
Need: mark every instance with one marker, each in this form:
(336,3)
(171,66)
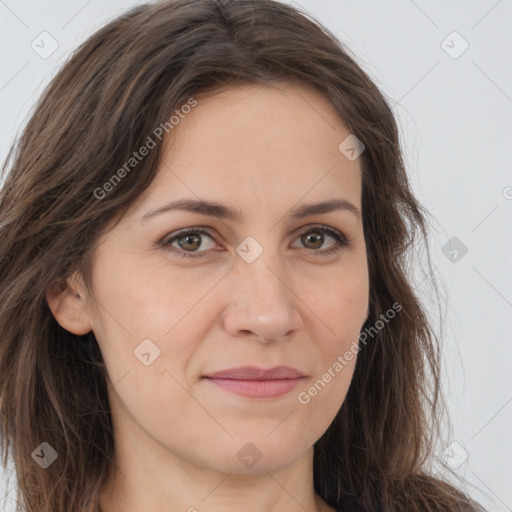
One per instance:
(262,304)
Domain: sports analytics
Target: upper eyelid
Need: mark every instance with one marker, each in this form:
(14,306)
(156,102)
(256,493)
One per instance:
(211,232)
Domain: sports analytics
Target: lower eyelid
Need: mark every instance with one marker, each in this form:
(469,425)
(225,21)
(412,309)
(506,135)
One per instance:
(340,239)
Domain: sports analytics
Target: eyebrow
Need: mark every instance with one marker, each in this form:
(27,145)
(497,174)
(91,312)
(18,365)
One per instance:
(214,209)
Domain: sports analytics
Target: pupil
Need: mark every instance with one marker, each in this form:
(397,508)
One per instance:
(189,239)
(318,237)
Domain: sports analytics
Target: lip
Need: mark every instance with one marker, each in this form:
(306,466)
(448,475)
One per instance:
(254,382)
(255,373)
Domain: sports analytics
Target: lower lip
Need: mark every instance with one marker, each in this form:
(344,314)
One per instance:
(258,388)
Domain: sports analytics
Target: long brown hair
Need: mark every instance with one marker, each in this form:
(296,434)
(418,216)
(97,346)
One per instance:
(127,79)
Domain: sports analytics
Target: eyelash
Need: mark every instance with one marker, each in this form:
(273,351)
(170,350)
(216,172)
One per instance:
(341,241)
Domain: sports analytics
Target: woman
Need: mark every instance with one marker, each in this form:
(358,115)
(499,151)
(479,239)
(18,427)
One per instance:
(204,297)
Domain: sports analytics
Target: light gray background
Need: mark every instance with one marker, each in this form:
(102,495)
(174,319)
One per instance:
(455,117)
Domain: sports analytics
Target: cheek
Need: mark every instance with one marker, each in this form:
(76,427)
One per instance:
(139,301)
(147,336)
(148,366)
(343,306)
(325,392)
(155,401)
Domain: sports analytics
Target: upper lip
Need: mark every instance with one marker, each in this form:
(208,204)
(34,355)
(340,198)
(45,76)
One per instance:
(255,373)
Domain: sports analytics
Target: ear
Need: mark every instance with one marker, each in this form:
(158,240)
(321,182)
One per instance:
(66,302)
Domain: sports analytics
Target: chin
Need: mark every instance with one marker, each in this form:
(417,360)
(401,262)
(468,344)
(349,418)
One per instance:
(257,454)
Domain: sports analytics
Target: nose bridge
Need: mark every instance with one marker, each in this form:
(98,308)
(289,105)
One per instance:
(261,299)
(261,271)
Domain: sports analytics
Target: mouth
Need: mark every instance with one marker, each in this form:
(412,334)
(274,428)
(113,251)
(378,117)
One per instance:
(254,382)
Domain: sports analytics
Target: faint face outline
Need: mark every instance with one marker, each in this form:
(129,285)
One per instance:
(263,152)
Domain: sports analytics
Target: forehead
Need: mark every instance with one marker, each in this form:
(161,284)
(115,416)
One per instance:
(258,146)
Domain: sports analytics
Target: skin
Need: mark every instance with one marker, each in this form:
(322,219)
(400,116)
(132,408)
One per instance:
(264,151)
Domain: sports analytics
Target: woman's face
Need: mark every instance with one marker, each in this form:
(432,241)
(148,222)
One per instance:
(256,288)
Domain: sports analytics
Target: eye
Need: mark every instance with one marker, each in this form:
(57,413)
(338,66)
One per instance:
(187,242)
(316,237)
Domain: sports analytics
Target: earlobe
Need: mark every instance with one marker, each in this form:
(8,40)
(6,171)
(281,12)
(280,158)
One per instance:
(69,308)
